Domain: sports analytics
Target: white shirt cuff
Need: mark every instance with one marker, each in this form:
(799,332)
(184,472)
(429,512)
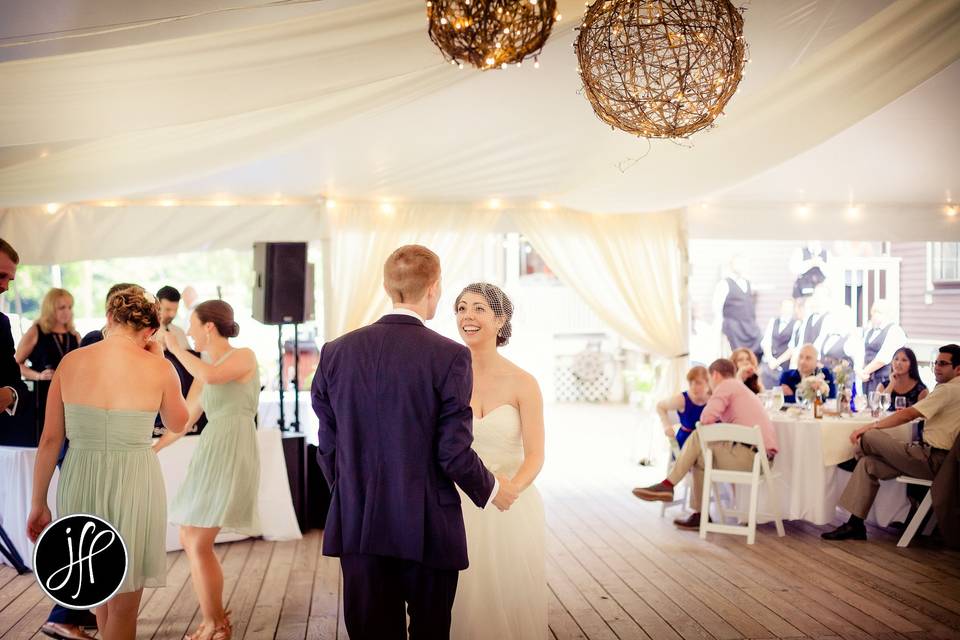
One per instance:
(12,409)
(496,490)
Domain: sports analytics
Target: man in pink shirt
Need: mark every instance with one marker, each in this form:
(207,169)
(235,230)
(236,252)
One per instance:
(731,402)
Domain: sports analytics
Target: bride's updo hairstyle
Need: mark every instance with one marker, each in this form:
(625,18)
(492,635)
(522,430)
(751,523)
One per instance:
(134,308)
(499,303)
(221,315)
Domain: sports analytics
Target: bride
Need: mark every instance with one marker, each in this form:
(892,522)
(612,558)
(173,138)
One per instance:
(503,594)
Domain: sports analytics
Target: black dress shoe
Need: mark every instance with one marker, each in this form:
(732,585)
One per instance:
(692,523)
(846,531)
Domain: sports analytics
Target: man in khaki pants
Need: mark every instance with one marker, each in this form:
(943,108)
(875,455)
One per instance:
(885,458)
(731,402)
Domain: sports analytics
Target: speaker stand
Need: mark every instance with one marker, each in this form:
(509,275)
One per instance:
(296,378)
(281,421)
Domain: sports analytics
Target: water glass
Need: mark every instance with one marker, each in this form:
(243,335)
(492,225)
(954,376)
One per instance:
(860,403)
(884,402)
(899,403)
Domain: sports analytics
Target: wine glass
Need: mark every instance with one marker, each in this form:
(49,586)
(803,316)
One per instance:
(899,403)
(884,401)
(778,398)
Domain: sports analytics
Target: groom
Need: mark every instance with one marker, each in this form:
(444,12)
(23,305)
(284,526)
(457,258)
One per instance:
(393,400)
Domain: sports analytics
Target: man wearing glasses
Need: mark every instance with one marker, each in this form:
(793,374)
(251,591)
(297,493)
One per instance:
(885,458)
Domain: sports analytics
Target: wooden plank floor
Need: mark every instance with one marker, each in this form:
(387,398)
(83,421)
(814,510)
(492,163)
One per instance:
(616,570)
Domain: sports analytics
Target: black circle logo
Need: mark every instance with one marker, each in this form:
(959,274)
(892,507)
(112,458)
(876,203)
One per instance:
(80,561)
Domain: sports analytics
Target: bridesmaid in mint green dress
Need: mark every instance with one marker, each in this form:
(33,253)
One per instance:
(223,479)
(105,398)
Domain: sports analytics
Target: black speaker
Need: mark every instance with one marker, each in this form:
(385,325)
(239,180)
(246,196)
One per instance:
(280,287)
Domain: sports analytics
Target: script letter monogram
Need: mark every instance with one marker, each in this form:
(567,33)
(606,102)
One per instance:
(93,550)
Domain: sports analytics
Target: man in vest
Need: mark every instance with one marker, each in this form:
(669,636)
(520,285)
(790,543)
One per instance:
(817,323)
(777,343)
(879,344)
(809,264)
(733,303)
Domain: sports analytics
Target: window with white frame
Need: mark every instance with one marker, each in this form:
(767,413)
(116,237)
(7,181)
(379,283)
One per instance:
(945,262)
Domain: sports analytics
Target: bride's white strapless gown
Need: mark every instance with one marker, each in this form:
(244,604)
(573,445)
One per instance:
(503,594)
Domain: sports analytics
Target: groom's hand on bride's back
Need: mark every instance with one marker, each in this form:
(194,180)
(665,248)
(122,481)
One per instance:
(507,494)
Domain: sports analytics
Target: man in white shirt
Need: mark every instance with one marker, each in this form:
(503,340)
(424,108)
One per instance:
(169,299)
(778,343)
(734,308)
(879,344)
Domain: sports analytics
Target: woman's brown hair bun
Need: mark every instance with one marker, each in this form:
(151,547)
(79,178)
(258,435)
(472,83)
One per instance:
(220,314)
(135,308)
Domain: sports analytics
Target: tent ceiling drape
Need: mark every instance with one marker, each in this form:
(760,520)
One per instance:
(352,100)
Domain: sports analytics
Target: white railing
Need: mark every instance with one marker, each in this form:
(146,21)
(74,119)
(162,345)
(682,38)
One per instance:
(862,281)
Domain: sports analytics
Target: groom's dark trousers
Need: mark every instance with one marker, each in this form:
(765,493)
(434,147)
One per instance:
(393,402)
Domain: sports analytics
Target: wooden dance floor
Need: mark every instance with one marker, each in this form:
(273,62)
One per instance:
(615,569)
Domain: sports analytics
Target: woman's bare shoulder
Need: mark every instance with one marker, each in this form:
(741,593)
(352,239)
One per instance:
(523,380)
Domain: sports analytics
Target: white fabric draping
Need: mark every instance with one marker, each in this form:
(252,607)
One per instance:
(362,236)
(105,93)
(111,131)
(630,270)
(80,232)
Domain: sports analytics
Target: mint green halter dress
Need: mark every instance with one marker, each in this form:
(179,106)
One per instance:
(110,471)
(223,478)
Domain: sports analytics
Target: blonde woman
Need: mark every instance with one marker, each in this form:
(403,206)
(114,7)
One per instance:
(50,338)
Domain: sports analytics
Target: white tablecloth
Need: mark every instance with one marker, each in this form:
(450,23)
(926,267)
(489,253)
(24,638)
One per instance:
(16,491)
(270,412)
(809,482)
(277,517)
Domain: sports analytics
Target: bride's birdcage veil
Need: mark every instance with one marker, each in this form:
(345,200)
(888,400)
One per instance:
(499,303)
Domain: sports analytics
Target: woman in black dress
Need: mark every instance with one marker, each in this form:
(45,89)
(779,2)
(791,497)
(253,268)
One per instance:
(905,380)
(50,338)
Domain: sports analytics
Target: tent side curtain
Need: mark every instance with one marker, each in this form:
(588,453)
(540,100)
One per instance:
(630,270)
(79,232)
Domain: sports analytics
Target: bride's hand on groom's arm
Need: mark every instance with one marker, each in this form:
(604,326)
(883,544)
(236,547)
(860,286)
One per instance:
(507,494)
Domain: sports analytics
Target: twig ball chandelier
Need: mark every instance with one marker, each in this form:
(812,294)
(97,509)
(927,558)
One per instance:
(660,68)
(490,34)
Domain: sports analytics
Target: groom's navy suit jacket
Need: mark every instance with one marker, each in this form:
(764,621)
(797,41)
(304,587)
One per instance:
(9,369)
(393,401)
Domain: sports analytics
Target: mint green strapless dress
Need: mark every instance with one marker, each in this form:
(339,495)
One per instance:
(110,471)
(223,478)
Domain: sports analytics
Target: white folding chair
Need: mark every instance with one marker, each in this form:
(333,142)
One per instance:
(921,513)
(684,484)
(750,436)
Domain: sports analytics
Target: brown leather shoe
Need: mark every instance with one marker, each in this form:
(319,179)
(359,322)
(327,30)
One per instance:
(692,523)
(660,492)
(64,631)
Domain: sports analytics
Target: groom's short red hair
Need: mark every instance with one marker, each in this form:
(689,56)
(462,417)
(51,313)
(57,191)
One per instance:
(409,272)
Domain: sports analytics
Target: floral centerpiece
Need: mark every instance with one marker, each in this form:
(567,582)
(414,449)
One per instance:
(843,377)
(842,373)
(813,386)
